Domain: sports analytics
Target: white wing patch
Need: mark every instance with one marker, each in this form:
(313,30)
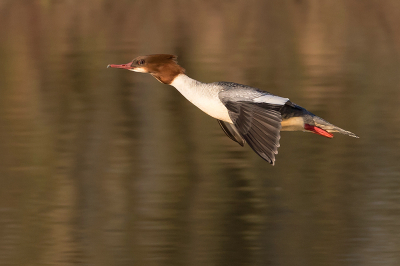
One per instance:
(272,99)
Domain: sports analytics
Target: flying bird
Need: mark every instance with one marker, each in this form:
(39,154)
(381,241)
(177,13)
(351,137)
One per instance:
(245,114)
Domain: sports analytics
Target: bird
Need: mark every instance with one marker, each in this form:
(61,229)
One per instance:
(246,114)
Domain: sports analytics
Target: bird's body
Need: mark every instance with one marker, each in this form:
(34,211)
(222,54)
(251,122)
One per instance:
(246,114)
(203,95)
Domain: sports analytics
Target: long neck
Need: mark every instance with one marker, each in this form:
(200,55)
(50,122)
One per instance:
(203,95)
(192,89)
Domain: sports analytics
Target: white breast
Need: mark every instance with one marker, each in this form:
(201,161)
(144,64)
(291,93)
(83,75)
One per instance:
(203,95)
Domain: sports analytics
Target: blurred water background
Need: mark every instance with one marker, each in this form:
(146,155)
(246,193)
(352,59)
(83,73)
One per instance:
(108,167)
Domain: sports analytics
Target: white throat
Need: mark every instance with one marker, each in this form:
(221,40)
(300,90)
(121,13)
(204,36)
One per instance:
(203,95)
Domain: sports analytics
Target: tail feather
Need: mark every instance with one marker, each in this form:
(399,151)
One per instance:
(325,125)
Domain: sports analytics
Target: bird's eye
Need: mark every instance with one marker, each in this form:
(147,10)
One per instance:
(140,62)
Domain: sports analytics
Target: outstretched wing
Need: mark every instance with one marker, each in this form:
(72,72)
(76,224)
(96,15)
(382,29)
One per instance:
(256,115)
(259,124)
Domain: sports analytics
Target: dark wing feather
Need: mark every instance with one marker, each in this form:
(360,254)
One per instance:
(231,132)
(259,124)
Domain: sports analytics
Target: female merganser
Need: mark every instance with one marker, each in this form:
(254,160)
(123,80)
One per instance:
(244,113)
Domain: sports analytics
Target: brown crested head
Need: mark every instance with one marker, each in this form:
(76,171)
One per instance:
(164,67)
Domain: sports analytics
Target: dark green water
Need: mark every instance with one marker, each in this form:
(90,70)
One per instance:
(108,167)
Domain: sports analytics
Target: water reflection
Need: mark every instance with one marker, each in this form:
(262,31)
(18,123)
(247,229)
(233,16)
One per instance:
(112,168)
